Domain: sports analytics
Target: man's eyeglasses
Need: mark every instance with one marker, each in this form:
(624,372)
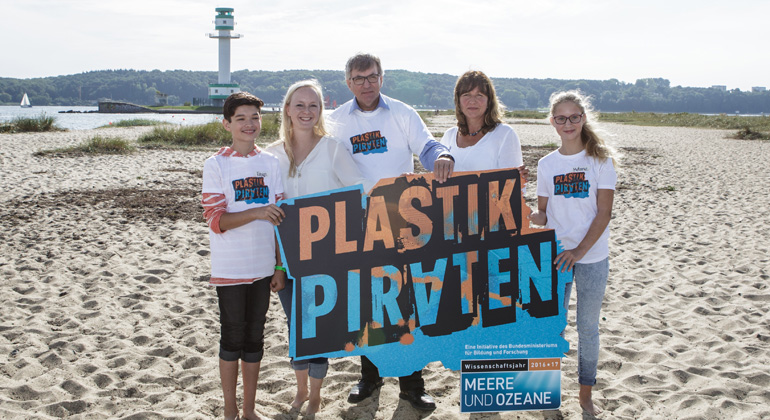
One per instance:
(574,119)
(359,80)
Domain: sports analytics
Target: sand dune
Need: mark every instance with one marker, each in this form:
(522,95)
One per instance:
(106,312)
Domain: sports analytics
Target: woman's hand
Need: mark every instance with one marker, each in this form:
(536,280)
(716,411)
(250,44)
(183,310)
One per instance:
(537,217)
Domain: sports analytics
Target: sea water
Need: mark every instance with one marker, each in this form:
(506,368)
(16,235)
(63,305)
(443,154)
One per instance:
(85,118)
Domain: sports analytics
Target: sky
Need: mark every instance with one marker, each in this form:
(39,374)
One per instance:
(690,43)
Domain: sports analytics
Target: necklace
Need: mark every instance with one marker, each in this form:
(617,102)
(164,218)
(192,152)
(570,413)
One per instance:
(473,134)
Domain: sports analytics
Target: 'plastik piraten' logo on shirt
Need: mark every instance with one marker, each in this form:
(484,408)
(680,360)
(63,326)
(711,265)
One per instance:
(571,185)
(252,190)
(371,142)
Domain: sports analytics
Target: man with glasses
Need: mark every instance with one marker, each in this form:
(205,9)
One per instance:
(383,134)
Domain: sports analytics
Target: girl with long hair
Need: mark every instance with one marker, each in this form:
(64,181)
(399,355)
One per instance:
(575,191)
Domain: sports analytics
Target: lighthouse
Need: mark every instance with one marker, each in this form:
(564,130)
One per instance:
(224,23)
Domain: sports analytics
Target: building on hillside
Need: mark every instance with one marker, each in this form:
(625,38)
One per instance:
(161,99)
(723,88)
(758,89)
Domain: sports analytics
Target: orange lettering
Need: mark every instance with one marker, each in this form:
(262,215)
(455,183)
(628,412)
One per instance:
(415,217)
(447,195)
(473,209)
(378,212)
(500,205)
(306,234)
(342,245)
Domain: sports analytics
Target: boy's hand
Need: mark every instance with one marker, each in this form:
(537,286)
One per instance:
(271,213)
(278,281)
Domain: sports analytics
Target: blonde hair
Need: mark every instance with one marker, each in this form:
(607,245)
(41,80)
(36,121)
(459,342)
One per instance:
(594,144)
(286,131)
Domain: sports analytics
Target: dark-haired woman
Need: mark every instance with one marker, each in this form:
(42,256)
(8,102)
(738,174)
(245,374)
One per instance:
(481,141)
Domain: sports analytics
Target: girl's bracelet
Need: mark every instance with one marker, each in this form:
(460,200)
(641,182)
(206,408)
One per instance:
(280,267)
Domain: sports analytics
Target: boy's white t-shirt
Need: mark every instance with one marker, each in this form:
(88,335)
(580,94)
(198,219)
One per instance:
(571,183)
(248,251)
(498,149)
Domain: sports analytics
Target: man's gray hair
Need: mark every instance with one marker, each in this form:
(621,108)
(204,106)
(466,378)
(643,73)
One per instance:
(362,62)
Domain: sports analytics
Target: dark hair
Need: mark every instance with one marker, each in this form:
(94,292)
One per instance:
(362,62)
(239,99)
(467,82)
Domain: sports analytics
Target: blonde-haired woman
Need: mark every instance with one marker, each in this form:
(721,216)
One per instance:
(311,162)
(575,191)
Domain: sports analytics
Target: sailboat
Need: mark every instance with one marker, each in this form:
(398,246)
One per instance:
(25,102)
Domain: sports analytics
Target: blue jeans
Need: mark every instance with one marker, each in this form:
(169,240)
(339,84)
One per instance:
(316,367)
(590,281)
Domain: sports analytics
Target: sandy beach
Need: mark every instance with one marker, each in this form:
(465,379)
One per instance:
(106,311)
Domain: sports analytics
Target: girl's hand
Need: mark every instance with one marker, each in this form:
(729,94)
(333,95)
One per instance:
(524,172)
(567,259)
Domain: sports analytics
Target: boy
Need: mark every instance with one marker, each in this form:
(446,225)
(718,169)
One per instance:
(240,187)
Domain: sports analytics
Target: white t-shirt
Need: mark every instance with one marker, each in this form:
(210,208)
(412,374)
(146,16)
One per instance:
(327,167)
(571,184)
(498,149)
(382,141)
(248,251)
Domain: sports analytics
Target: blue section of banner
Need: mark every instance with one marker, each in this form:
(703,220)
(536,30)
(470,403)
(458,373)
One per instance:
(510,391)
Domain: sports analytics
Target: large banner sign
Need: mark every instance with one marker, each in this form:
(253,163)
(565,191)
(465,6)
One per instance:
(418,271)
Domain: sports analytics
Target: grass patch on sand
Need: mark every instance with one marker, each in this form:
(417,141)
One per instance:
(38,124)
(437,134)
(208,135)
(526,113)
(134,122)
(212,109)
(684,119)
(96,145)
(428,115)
(749,134)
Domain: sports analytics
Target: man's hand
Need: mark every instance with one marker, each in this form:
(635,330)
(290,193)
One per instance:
(442,169)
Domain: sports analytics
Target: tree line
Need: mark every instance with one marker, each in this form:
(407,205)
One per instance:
(423,90)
